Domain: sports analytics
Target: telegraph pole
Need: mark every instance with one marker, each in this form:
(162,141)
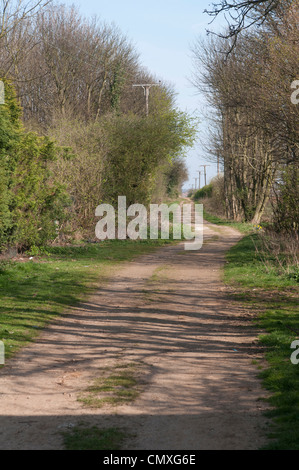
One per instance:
(205,173)
(199,176)
(146,87)
(195,182)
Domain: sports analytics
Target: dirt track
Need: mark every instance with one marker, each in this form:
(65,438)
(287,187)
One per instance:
(168,311)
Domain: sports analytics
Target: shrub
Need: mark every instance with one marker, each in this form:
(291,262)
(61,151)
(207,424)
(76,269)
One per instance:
(9,135)
(204,192)
(38,200)
(136,149)
(31,202)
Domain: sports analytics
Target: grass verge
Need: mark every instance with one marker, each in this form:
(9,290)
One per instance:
(273,297)
(241,226)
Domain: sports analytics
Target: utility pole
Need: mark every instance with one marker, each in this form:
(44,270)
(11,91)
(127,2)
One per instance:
(195,182)
(199,177)
(146,87)
(205,173)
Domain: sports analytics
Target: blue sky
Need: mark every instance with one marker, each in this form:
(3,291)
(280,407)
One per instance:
(163,32)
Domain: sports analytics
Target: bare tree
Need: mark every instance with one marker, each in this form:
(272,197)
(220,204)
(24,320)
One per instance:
(17,36)
(83,67)
(244,14)
(255,124)
(245,150)
(13,12)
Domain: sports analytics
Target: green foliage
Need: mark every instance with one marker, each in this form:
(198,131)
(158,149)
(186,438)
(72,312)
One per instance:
(116,87)
(137,146)
(79,167)
(251,266)
(30,202)
(206,191)
(9,136)
(272,298)
(38,201)
(10,108)
(93,438)
(294,274)
(243,227)
(176,173)
(119,154)
(119,385)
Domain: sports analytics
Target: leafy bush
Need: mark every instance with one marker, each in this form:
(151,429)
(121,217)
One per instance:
(31,202)
(206,191)
(38,200)
(79,167)
(9,135)
(136,148)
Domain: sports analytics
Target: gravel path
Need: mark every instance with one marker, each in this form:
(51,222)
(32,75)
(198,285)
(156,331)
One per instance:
(168,312)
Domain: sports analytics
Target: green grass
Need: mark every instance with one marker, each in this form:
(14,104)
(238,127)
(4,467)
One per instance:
(243,227)
(257,279)
(93,438)
(248,268)
(114,386)
(273,296)
(33,292)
